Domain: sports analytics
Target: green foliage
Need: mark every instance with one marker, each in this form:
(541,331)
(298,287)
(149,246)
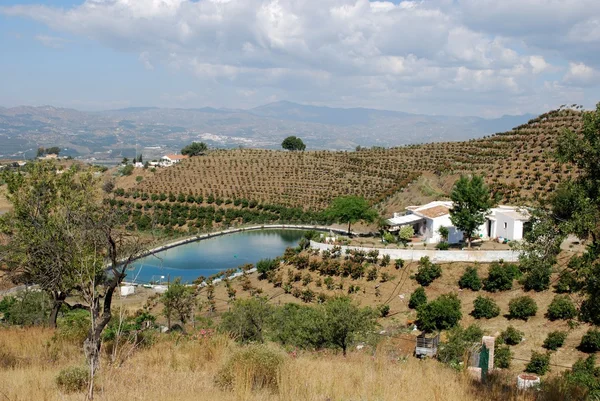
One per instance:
(555,340)
(405,234)
(427,271)
(399,263)
(389,238)
(538,364)
(485,307)
(440,314)
(247,319)
(444,233)
(590,342)
(511,336)
(442,246)
(126,170)
(372,274)
(74,379)
(194,149)
(561,307)
(256,366)
(293,143)
(500,277)
(522,308)
(567,283)
(350,209)
(470,279)
(74,326)
(471,202)
(584,377)
(264,266)
(460,340)
(27,308)
(384,310)
(502,357)
(178,300)
(417,298)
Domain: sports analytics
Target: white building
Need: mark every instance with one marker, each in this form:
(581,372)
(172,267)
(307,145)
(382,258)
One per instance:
(506,222)
(170,160)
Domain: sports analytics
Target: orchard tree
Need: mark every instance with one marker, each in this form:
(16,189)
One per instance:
(350,209)
(179,300)
(471,203)
(293,143)
(194,149)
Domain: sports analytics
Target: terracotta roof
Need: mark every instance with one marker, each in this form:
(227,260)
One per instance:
(177,157)
(433,212)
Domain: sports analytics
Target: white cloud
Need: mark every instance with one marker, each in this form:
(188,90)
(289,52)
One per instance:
(377,53)
(580,74)
(51,41)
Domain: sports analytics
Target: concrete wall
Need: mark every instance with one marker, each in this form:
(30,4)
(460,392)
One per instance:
(434,255)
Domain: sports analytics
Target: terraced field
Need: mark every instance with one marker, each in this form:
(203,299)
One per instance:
(516,164)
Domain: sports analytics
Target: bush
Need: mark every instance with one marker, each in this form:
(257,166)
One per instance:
(538,364)
(384,310)
(511,336)
(537,279)
(459,341)
(264,266)
(247,319)
(555,340)
(443,246)
(470,279)
(74,326)
(440,314)
(561,307)
(417,298)
(500,277)
(567,283)
(590,342)
(485,307)
(427,272)
(522,308)
(502,357)
(27,308)
(255,366)
(399,263)
(73,379)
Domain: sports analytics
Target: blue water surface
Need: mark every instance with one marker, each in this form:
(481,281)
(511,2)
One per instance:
(213,255)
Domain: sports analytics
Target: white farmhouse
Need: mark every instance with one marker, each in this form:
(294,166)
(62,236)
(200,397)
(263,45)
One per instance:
(170,160)
(504,222)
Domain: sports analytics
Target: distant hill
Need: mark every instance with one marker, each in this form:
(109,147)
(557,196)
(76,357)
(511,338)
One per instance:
(85,134)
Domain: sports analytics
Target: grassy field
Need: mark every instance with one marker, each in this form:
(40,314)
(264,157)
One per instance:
(182,369)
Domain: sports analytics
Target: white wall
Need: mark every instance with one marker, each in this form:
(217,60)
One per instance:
(505,226)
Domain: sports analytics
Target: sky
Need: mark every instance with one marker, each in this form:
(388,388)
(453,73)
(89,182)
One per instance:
(450,57)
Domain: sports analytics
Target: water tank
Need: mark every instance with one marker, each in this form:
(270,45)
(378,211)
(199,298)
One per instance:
(527,380)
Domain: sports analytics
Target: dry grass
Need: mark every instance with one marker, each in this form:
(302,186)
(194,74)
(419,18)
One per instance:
(185,369)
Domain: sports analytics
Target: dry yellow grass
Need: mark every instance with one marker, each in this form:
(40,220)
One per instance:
(184,369)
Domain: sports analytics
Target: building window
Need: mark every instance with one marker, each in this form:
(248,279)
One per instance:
(505,225)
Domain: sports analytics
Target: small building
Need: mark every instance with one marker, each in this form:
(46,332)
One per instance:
(505,222)
(427,345)
(49,156)
(170,160)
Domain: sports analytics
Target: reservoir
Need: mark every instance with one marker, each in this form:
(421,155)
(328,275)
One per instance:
(212,255)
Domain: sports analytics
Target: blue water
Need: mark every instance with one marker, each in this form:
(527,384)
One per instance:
(213,255)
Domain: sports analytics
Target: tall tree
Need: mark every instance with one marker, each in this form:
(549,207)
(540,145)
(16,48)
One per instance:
(180,300)
(293,143)
(471,203)
(194,149)
(350,209)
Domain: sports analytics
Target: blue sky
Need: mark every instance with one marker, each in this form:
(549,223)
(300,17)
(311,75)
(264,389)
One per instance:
(457,57)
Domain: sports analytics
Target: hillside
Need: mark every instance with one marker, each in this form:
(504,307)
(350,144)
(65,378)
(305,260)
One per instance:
(516,164)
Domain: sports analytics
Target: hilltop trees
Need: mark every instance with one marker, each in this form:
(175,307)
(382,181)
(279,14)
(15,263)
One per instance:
(350,209)
(471,202)
(293,143)
(194,149)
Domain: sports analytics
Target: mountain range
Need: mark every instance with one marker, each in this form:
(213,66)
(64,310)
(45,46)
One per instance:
(113,134)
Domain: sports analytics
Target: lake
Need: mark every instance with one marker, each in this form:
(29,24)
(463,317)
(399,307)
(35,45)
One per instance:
(213,255)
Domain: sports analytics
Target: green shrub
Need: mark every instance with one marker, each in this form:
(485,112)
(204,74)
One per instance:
(511,336)
(538,364)
(399,263)
(502,357)
(522,308)
(27,308)
(485,307)
(73,326)
(264,266)
(73,379)
(590,342)
(372,274)
(470,279)
(500,277)
(417,298)
(561,307)
(582,381)
(427,271)
(555,340)
(440,314)
(247,319)
(384,310)
(459,341)
(385,260)
(443,246)
(537,278)
(567,283)
(254,366)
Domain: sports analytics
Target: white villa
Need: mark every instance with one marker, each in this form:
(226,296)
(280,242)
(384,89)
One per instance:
(503,222)
(170,160)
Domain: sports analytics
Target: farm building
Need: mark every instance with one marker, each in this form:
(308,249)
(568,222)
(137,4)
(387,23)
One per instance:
(170,160)
(505,222)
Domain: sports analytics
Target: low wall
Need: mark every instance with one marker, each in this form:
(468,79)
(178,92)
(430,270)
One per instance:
(434,255)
